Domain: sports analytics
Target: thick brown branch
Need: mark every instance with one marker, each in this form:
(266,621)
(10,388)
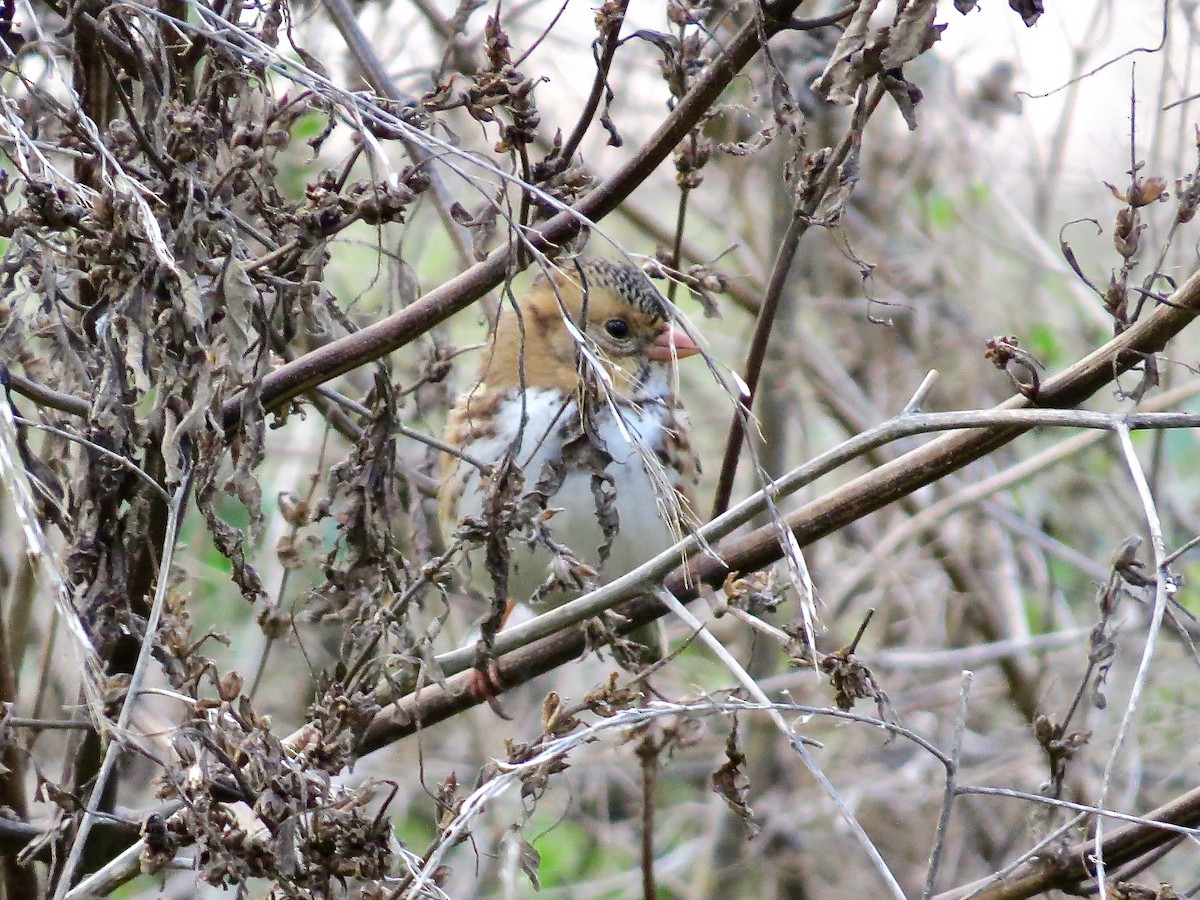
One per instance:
(395,331)
(863,495)
(1075,867)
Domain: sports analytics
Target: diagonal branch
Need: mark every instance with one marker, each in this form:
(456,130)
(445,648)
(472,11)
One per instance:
(386,335)
(819,518)
(947,454)
(1075,866)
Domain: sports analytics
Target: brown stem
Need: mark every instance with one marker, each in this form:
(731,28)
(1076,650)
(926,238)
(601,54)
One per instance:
(648,754)
(608,41)
(1075,866)
(802,219)
(755,356)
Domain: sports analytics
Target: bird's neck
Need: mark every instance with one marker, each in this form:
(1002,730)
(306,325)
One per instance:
(650,382)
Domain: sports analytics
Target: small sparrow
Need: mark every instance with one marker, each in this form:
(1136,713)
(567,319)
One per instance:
(573,416)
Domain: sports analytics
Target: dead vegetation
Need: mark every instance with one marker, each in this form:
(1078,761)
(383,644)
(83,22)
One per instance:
(906,659)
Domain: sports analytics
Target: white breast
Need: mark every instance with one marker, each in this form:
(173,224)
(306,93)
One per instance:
(645,499)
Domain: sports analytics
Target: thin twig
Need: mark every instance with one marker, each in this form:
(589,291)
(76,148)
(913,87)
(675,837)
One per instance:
(950,791)
(1148,821)
(610,44)
(1164,587)
(778,635)
(125,463)
(797,24)
(923,659)
(647,753)
(921,394)
(47,724)
(1189,545)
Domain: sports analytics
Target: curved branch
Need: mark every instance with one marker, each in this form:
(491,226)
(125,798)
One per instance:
(1076,867)
(44,396)
(401,328)
(817,519)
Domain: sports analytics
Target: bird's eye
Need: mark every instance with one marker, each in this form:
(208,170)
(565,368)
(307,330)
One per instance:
(617,328)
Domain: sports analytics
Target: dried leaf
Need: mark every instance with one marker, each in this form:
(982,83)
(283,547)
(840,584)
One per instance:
(911,34)
(732,784)
(527,857)
(1029,10)
(843,74)
(906,95)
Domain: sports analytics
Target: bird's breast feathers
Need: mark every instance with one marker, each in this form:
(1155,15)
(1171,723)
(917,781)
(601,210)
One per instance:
(649,465)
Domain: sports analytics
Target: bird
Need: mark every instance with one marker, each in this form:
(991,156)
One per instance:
(572,462)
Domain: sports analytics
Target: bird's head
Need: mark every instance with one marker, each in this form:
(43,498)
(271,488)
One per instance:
(599,306)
